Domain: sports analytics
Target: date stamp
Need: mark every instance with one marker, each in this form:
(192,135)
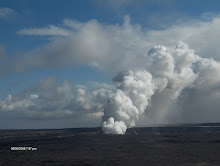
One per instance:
(23,148)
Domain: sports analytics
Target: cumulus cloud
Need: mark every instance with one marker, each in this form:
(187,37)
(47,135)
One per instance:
(164,85)
(171,85)
(51,100)
(6,13)
(91,43)
(114,48)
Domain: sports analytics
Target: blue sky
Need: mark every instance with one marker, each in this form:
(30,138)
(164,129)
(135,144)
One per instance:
(36,14)
(45,38)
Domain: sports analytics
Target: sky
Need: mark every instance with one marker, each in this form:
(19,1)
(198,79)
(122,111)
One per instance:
(67,63)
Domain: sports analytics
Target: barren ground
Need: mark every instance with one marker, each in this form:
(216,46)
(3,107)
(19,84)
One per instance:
(169,146)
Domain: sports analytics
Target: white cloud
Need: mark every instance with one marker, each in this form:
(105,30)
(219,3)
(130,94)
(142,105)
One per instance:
(6,13)
(182,78)
(49,100)
(115,47)
(172,77)
(109,47)
(48,31)
(170,85)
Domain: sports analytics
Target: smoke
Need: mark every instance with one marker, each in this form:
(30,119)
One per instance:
(168,72)
(129,101)
(164,85)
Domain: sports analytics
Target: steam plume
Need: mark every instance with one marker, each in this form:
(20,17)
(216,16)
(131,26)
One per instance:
(166,71)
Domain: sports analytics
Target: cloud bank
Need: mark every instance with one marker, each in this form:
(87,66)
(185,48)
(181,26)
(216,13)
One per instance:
(50,99)
(157,81)
(172,85)
(114,47)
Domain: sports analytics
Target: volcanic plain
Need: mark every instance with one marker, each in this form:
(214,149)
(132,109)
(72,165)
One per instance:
(171,145)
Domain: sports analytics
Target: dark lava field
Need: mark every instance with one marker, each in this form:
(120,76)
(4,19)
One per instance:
(184,145)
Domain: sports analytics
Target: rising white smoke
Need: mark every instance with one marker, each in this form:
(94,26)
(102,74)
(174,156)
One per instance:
(167,85)
(167,72)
